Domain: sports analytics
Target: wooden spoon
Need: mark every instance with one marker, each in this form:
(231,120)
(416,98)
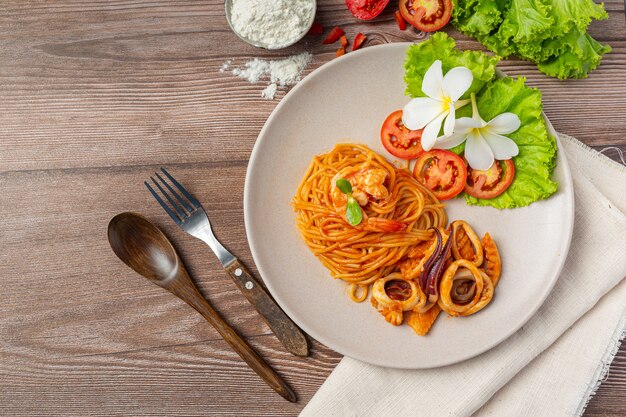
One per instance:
(144,248)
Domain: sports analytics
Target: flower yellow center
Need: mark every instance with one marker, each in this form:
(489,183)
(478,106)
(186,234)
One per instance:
(447,103)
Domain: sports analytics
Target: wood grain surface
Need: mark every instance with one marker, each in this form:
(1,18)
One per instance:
(94,96)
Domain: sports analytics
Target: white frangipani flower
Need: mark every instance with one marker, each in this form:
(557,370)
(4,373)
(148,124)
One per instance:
(485,142)
(442,100)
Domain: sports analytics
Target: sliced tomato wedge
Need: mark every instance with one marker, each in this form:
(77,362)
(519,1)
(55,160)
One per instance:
(334,35)
(340,51)
(442,172)
(400,20)
(400,141)
(358,41)
(492,182)
(426,15)
(366,9)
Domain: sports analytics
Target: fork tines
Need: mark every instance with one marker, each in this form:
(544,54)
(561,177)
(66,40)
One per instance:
(183,208)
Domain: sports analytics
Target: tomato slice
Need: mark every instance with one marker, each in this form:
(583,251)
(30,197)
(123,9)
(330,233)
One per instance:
(366,9)
(399,141)
(400,20)
(334,35)
(442,172)
(358,41)
(341,51)
(426,15)
(492,182)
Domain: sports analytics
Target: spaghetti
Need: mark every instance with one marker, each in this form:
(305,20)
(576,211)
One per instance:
(391,227)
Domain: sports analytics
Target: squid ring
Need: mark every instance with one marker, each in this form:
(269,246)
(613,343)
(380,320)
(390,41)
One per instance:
(466,244)
(447,286)
(485,296)
(395,292)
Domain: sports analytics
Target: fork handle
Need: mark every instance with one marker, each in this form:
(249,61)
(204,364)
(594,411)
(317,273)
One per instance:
(285,330)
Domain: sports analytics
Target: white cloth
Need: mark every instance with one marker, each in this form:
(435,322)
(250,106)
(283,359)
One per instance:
(552,365)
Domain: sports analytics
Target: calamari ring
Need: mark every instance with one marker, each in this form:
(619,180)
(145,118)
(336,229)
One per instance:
(466,244)
(393,295)
(447,283)
(485,296)
(393,291)
(493,263)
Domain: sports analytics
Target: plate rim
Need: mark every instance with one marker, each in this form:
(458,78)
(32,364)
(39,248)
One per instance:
(570,213)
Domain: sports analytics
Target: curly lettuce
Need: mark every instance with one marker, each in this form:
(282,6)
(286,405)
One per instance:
(551,33)
(440,46)
(537,149)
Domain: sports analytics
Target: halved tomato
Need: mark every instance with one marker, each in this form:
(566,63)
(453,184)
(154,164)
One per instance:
(400,141)
(366,9)
(426,15)
(442,172)
(492,182)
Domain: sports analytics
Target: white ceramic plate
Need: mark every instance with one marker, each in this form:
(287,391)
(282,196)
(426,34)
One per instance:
(347,100)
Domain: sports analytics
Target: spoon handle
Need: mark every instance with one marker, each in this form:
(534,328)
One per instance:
(192,296)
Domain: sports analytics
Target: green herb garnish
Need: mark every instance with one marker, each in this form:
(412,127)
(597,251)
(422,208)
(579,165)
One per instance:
(354,214)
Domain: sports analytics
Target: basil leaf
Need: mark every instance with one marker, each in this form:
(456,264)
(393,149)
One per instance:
(344,186)
(353,212)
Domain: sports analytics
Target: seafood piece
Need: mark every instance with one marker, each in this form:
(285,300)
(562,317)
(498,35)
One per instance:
(433,268)
(493,263)
(417,256)
(466,291)
(422,322)
(466,245)
(367,185)
(380,224)
(393,295)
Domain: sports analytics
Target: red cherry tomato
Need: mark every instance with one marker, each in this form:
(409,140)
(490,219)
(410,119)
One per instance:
(366,9)
(400,141)
(442,172)
(426,15)
(492,182)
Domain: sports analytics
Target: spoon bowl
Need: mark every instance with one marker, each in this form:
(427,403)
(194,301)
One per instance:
(143,247)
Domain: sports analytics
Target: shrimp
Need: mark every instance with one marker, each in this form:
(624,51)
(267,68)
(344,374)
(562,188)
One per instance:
(367,185)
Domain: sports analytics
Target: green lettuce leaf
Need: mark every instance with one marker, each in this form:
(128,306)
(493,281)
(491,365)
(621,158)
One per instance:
(526,21)
(578,13)
(440,46)
(575,58)
(537,149)
(476,17)
(552,33)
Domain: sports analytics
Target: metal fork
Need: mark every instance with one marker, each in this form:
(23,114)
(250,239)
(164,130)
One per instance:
(188,213)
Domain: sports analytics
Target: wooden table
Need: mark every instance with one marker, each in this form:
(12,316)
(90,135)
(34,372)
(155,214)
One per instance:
(94,97)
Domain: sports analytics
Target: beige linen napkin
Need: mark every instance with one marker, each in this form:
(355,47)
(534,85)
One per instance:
(551,366)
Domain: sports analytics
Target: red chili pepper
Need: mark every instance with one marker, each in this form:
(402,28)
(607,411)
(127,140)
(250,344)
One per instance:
(344,42)
(334,35)
(316,29)
(340,51)
(400,20)
(358,41)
